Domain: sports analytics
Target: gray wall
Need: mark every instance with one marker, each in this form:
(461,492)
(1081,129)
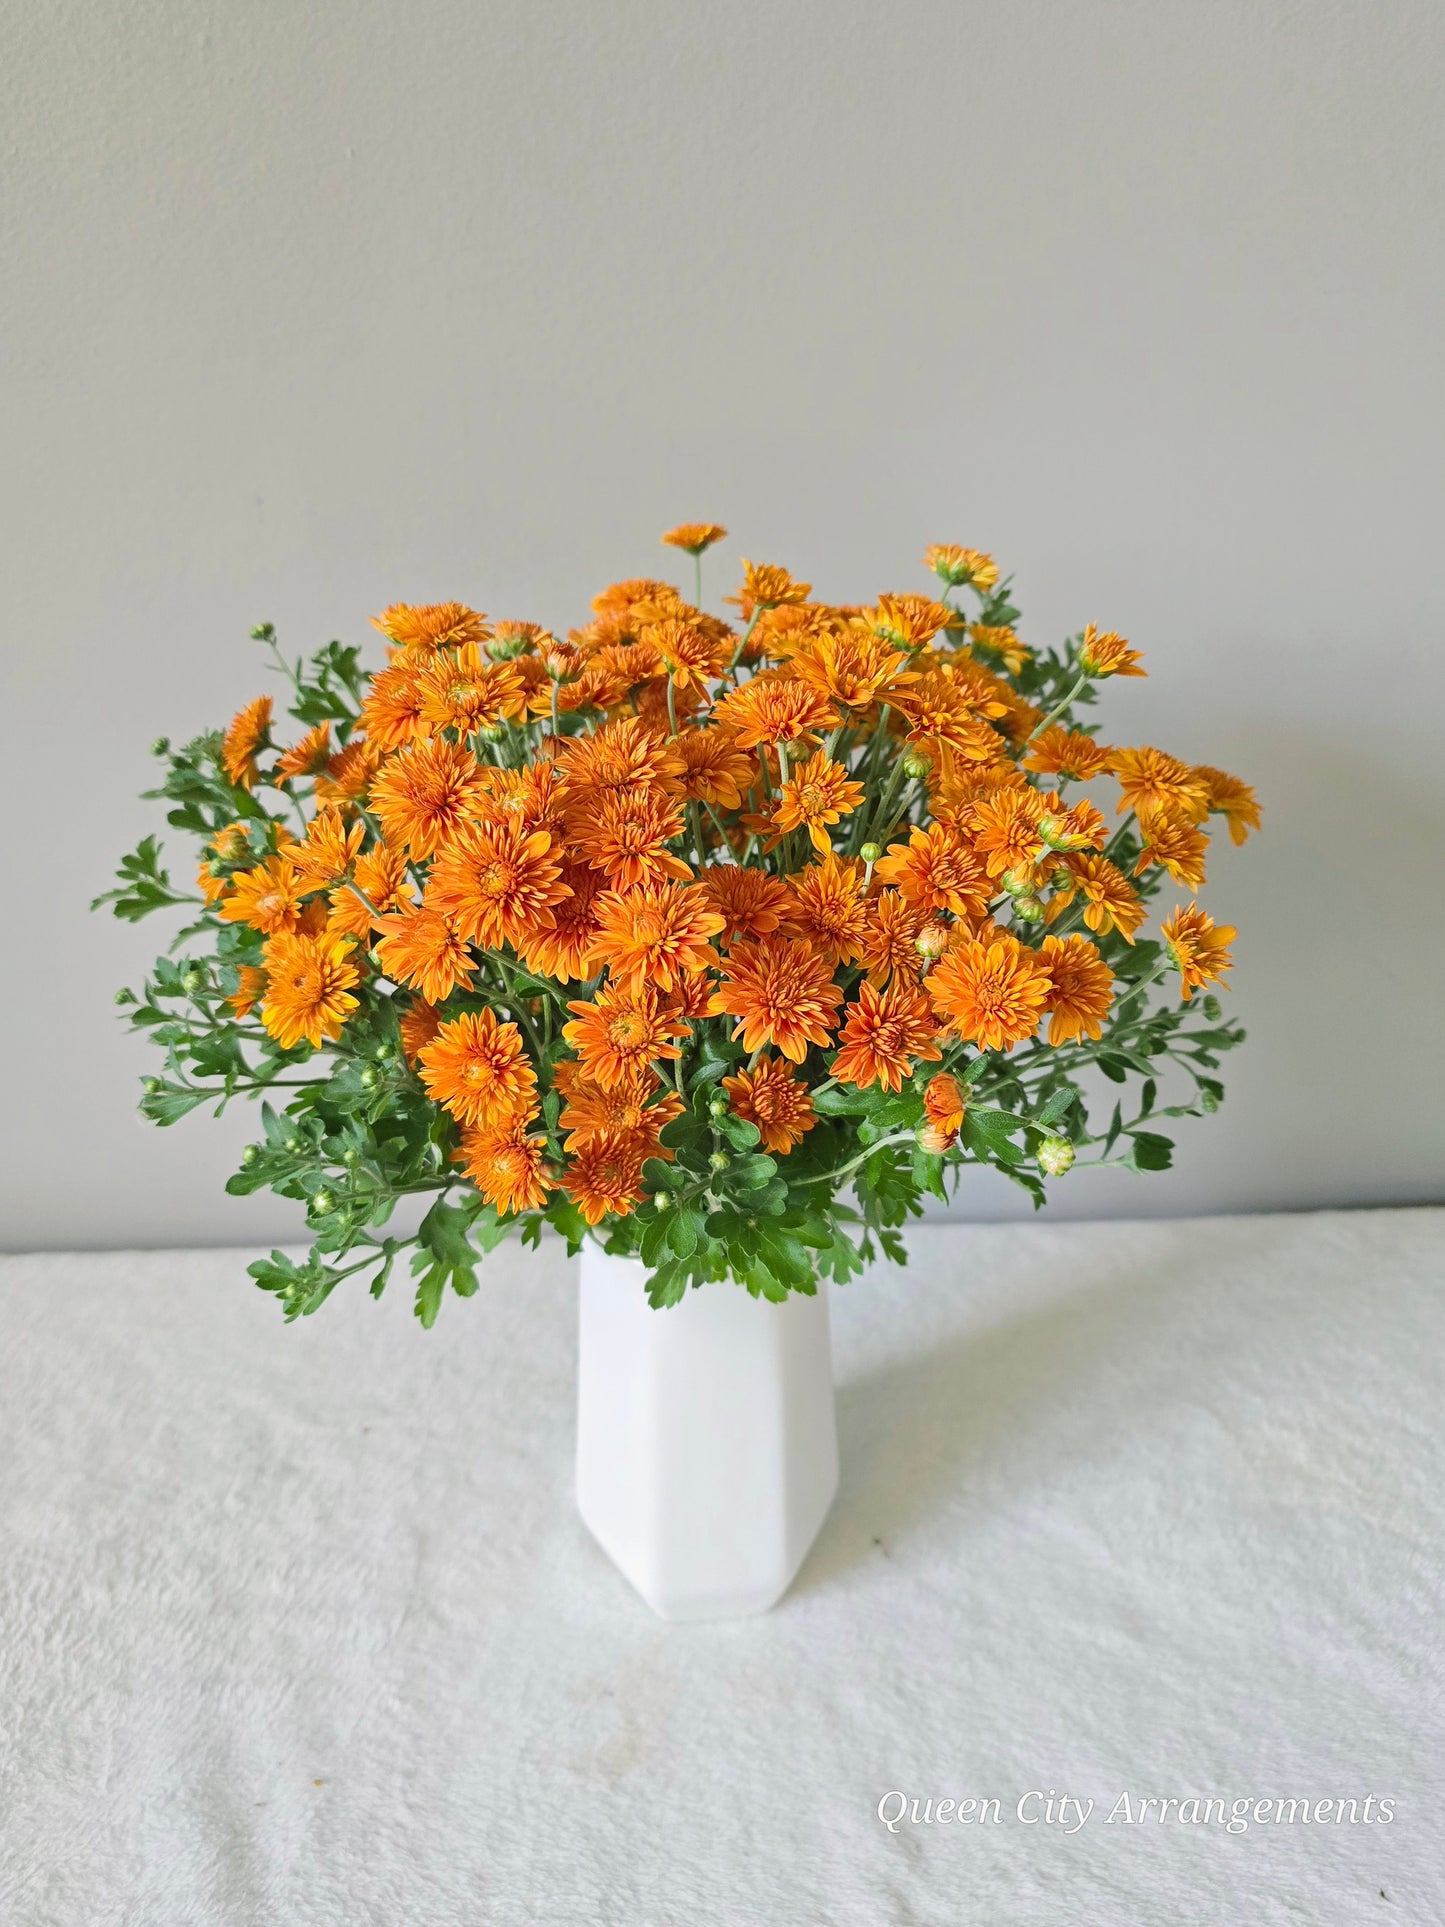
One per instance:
(308,308)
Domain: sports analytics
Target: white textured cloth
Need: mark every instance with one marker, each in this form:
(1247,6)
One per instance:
(299,1626)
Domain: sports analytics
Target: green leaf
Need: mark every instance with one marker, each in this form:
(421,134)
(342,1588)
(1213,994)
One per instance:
(171,1101)
(1149,1152)
(1057,1104)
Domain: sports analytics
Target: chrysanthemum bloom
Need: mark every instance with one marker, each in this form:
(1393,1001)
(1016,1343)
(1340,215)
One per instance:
(431,625)
(633,1107)
(562,947)
(827,908)
(621,598)
(944,1103)
(689,1000)
(533,797)
(695,536)
(308,757)
(418,1024)
(1000,642)
(1077,826)
(885,1031)
(268,898)
(621,1031)
(249,990)
(381,878)
(691,657)
(349,773)
(496,882)
(890,937)
(1232,799)
(605,1177)
(765,585)
(1199,947)
(1081,988)
(249,732)
(817,794)
(391,707)
(330,848)
(507,1166)
(770,1096)
(622,756)
(1178,846)
(1005,830)
(948,711)
(775,709)
(1153,783)
(478,1069)
(1110,901)
(750,902)
(419,947)
(853,669)
(657,934)
(959,567)
(1108,654)
(211,887)
(465,691)
(991,991)
(936,870)
(425,792)
(308,988)
(715,769)
(1057,751)
(781,992)
(625,836)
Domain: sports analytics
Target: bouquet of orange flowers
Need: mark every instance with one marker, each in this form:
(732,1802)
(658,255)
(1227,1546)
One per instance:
(722,941)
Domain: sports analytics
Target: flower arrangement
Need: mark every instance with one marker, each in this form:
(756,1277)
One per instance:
(721,941)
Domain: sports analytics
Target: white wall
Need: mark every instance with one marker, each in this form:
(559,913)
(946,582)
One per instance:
(308,308)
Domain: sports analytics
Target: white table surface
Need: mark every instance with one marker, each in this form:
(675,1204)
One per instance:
(299,1625)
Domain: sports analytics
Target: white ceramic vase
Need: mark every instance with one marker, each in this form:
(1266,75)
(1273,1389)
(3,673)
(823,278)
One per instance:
(707,1449)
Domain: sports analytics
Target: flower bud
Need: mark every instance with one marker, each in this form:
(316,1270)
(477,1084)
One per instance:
(503,648)
(263,632)
(1017,883)
(917,763)
(250,1154)
(1208,1102)
(661,1201)
(368,1077)
(293,1145)
(150,1085)
(1213,1009)
(382,1053)
(192,982)
(1054,832)
(719,1160)
(1028,909)
(870,852)
(1055,1155)
(322,1203)
(932,941)
(351,1155)
(934,1139)
(717,1107)
(161,746)
(125,996)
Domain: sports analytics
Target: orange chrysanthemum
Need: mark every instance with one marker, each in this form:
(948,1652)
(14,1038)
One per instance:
(604,1179)
(1175,844)
(391,707)
(269,898)
(1005,830)
(381,878)
(1152,783)
(309,757)
(562,947)
(770,1096)
(1110,901)
(330,848)
(425,793)
(507,1166)
(1057,751)
(691,655)
(309,980)
(496,882)
(462,690)
(533,797)
(249,732)
(418,1024)
(750,902)
(1199,947)
(959,567)
(817,794)
(1108,654)
(1000,642)
(1081,988)
(853,669)
(657,934)
(765,586)
(432,625)
(349,773)
(885,1031)
(775,709)
(827,909)
(625,836)
(621,1031)
(478,1069)
(631,1107)
(249,990)
(694,536)
(910,621)
(623,756)
(890,938)
(419,947)
(1232,799)
(781,992)
(715,769)
(936,870)
(990,990)
(944,1102)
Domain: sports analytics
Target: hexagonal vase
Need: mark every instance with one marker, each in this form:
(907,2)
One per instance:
(707,1448)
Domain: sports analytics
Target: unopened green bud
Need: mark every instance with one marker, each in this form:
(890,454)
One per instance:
(1028,909)
(556,671)
(661,1201)
(917,763)
(125,996)
(250,1154)
(1208,1102)
(503,648)
(150,1085)
(491,733)
(192,982)
(1055,1155)
(1052,832)
(368,1077)
(1017,883)
(870,852)
(293,1145)
(719,1160)
(161,746)
(263,632)
(351,1155)
(717,1107)
(322,1203)
(1213,1009)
